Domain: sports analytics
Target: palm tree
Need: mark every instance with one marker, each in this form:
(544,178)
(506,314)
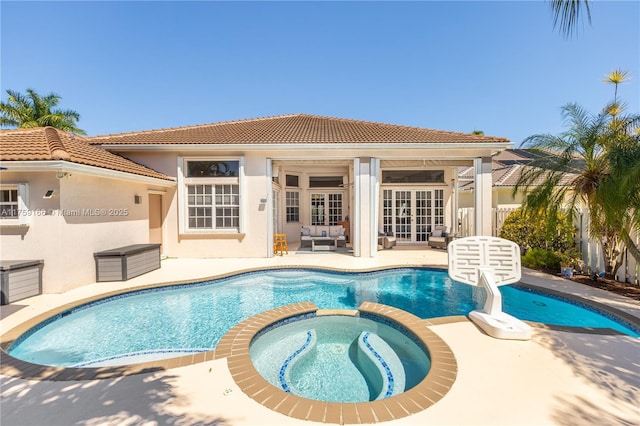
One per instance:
(566,14)
(584,166)
(34,110)
(618,198)
(620,195)
(616,77)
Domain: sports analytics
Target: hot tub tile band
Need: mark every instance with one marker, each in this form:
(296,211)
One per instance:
(285,365)
(387,370)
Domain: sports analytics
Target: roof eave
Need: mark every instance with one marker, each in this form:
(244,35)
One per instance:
(306,146)
(66,166)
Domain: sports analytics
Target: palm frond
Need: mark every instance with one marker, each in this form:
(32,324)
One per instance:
(566,14)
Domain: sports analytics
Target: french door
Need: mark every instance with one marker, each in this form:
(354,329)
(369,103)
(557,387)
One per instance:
(411,214)
(326,208)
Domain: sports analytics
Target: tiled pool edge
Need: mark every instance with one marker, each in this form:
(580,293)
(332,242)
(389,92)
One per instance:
(440,378)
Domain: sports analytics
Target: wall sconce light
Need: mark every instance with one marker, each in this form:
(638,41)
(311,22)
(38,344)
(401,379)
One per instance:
(49,193)
(264,199)
(137,199)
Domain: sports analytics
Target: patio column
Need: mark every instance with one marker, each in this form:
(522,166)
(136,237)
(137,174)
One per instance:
(269,207)
(454,229)
(365,220)
(483,183)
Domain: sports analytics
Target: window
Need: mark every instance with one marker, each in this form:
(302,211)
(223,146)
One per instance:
(212,195)
(412,176)
(9,203)
(212,168)
(275,196)
(292,206)
(293,181)
(325,181)
(13,204)
(438,204)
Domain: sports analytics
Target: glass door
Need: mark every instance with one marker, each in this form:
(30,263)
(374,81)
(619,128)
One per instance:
(403,211)
(411,214)
(326,208)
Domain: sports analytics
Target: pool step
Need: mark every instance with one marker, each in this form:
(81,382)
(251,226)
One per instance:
(389,375)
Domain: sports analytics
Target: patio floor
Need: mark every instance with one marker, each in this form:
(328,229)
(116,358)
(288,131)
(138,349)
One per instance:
(558,377)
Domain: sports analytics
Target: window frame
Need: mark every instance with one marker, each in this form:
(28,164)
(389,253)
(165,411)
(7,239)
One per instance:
(296,207)
(23,217)
(387,174)
(183,195)
(329,209)
(292,175)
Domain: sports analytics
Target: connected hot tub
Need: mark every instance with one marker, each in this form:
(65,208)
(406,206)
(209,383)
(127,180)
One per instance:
(340,358)
(369,365)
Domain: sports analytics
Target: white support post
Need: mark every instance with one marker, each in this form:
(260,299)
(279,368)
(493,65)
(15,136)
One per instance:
(363,206)
(357,209)
(493,304)
(269,207)
(374,202)
(483,195)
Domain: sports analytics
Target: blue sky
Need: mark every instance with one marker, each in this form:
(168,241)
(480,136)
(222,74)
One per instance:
(492,66)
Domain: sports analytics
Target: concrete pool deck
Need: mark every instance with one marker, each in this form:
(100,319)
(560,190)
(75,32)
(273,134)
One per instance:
(558,377)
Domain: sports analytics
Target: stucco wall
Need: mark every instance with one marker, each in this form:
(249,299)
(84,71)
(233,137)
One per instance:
(251,243)
(501,197)
(87,214)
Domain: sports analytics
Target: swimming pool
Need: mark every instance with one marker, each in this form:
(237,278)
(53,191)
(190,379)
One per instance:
(169,321)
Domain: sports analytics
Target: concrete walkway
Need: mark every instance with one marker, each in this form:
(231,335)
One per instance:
(558,377)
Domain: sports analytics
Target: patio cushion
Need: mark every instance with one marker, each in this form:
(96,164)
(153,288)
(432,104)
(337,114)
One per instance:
(336,231)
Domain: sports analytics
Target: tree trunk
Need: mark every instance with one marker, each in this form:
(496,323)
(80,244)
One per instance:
(631,246)
(611,253)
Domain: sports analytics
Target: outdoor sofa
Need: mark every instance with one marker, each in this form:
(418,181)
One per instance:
(308,233)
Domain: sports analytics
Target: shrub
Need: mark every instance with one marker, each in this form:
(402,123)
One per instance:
(535,231)
(537,258)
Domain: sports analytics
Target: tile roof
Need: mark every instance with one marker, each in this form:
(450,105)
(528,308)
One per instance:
(47,143)
(293,129)
(507,167)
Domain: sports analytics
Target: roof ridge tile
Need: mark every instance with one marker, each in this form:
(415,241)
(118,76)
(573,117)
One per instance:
(56,147)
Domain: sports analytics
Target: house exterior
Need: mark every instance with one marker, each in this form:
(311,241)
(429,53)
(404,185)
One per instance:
(506,168)
(224,189)
(62,199)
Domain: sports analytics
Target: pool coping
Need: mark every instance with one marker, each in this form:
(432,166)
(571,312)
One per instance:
(14,367)
(431,389)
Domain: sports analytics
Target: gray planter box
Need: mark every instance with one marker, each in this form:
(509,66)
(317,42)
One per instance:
(124,263)
(20,279)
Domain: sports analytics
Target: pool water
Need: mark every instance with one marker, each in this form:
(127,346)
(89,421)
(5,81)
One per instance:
(193,317)
(333,367)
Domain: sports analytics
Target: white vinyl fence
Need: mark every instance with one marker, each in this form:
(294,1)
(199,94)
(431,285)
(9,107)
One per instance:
(591,252)
(465,219)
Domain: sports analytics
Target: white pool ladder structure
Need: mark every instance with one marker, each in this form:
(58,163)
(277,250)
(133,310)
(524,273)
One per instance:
(489,262)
